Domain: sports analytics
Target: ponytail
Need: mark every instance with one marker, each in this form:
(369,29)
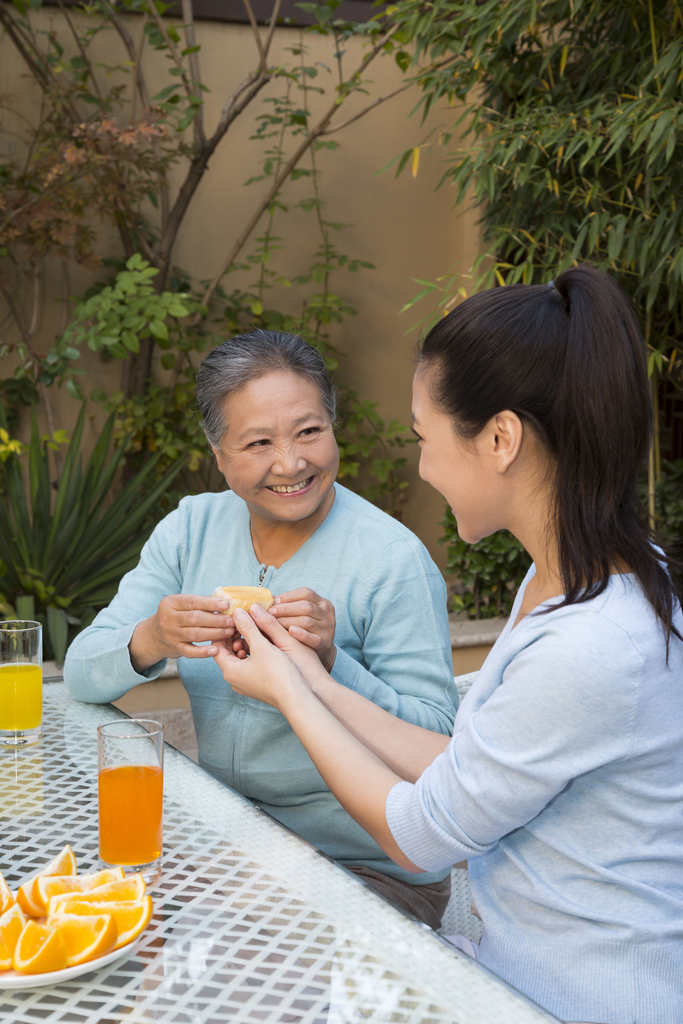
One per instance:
(569,360)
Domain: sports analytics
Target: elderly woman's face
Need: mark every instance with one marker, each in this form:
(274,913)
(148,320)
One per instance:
(278,452)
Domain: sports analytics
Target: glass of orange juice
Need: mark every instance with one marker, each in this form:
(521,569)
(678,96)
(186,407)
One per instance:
(21,682)
(130,756)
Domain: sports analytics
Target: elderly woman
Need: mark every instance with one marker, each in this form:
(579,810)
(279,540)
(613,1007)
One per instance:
(353,584)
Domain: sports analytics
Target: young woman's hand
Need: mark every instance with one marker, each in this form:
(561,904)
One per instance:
(303,656)
(267,674)
(358,778)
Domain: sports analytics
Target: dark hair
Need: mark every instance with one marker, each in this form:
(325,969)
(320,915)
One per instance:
(246,357)
(569,360)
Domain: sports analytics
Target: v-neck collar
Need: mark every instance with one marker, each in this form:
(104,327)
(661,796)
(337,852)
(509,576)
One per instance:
(263,573)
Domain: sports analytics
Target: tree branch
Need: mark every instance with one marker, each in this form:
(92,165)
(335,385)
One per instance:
(38,66)
(14,310)
(271,27)
(87,63)
(127,40)
(290,165)
(66,291)
(36,304)
(232,110)
(228,114)
(175,56)
(263,49)
(37,198)
(14,32)
(366,110)
(195,73)
(257,34)
(136,70)
(135,56)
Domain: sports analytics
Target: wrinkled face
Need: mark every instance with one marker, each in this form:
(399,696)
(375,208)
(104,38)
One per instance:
(278,452)
(461,471)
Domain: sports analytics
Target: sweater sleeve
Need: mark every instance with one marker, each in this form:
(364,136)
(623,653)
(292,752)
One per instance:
(98,668)
(406,646)
(566,706)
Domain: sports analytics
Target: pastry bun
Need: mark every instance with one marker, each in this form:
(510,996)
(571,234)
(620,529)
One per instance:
(244,597)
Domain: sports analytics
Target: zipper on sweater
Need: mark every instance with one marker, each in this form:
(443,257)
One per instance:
(262,575)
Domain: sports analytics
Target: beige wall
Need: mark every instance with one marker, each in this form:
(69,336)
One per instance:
(402,226)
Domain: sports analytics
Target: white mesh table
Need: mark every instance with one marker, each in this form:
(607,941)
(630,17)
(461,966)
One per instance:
(251,924)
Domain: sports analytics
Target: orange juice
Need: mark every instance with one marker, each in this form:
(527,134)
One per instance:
(131,803)
(21,696)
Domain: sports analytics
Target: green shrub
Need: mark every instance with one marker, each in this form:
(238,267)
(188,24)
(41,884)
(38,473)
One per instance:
(489,571)
(65,550)
(668,498)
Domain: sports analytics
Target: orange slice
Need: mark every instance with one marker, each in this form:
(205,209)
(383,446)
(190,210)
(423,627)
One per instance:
(39,948)
(86,938)
(12,924)
(48,886)
(63,864)
(131,917)
(28,897)
(131,888)
(102,878)
(25,899)
(6,897)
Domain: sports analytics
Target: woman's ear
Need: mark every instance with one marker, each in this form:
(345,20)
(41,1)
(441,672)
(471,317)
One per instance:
(218,457)
(506,433)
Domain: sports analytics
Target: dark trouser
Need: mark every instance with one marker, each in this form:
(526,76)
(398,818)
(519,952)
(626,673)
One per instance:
(426,902)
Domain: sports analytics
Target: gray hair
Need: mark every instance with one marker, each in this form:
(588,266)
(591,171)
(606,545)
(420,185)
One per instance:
(246,357)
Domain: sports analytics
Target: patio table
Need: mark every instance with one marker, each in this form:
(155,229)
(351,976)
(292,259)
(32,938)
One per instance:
(251,924)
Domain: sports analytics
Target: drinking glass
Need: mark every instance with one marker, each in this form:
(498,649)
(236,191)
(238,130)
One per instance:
(21,682)
(130,757)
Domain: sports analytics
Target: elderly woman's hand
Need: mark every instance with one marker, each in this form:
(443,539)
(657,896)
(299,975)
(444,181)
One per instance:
(310,619)
(181,621)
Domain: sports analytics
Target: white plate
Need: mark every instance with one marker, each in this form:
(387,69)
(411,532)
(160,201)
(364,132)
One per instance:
(13,979)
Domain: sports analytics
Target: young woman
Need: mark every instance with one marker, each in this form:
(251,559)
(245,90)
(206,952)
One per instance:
(563,782)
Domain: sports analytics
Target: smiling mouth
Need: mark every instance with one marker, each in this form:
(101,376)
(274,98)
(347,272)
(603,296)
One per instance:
(291,488)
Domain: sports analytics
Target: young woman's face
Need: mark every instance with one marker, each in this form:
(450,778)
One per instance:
(278,452)
(466,473)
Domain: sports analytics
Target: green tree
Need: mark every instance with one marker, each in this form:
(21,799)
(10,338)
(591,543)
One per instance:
(574,131)
(104,145)
(568,137)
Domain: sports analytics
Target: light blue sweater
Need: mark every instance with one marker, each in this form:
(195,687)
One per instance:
(563,784)
(392,638)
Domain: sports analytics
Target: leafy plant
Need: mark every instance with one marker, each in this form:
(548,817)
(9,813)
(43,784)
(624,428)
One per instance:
(572,149)
(568,137)
(93,154)
(106,150)
(490,571)
(64,551)
(669,498)
(122,314)
(165,419)
(367,446)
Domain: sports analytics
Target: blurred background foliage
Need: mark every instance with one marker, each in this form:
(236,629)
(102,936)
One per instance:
(488,573)
(573,150)
(101,154)
(64,549)
(574,153)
